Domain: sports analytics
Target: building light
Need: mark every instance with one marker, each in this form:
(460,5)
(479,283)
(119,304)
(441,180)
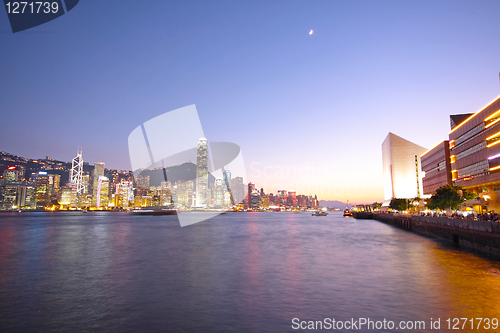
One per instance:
(493,136)
(475,114)
(493,144)
(494,156)
(432,148)
(492,123)
(494,168)
(492,115)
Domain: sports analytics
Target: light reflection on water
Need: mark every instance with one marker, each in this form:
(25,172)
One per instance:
(238,272)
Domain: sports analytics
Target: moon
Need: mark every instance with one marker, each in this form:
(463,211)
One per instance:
(310,32)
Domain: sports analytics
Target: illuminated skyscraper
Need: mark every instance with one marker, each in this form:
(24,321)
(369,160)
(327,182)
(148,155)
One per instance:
(253,199)
(98,171)
(184,194)
(238,189)
(251,187)
(219,193)
(102,194)
(12,173)
(226,177)
(76,173)
(282,196)
(47,186)
(86,183)
(68,195)
(123,193)
(202,173)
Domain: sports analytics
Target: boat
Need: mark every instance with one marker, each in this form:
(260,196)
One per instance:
(347,211)
(154,210)
(319,213)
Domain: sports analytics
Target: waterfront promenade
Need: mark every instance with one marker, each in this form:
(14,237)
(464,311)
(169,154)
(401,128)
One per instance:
(476,234)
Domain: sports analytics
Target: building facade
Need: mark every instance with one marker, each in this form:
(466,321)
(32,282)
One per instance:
(402,168)
(475,154)
(436,167)
(98,172)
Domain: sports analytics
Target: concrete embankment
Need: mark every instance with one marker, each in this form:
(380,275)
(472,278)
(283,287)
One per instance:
(480,235)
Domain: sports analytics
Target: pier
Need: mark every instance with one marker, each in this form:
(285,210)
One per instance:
(479,235)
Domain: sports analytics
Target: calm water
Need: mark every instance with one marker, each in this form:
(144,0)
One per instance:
(244,272)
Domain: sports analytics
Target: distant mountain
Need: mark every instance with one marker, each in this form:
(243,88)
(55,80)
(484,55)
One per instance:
(333,204)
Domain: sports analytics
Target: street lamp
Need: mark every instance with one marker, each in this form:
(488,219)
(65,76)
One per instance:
(487,197)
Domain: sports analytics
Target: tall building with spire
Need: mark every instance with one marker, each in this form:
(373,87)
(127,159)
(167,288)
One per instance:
(76,173)
(202,173)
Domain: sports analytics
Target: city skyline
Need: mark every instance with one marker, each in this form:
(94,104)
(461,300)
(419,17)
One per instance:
(51,184)
(308,111)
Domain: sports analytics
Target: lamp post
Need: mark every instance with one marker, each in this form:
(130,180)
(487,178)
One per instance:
(460,194)
(486,197)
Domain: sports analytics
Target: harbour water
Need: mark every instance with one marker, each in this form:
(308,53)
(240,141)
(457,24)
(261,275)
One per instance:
(240,272)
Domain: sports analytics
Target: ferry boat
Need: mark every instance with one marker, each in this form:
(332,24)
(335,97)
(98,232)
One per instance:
(319,213)
(347,212)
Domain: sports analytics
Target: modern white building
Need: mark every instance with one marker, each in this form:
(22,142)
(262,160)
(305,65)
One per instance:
(402,168)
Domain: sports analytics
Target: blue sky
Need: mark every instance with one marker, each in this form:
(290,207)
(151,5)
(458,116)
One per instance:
(309,112)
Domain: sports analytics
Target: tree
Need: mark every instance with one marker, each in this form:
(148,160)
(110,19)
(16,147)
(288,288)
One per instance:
(398,204)
(376,205)
(415,202)
(468,195)
(449,197)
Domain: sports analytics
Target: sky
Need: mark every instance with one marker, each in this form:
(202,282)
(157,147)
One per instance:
(310,112)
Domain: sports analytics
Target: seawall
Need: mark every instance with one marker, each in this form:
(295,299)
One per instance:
(480,235)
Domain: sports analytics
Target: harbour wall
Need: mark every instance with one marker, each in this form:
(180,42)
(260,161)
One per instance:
(479,235)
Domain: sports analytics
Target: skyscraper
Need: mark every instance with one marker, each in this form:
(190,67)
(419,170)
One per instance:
(102,196)
(98,171)
(202,173)
(238,189)
(219,193)
(46,187)
(76,173)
